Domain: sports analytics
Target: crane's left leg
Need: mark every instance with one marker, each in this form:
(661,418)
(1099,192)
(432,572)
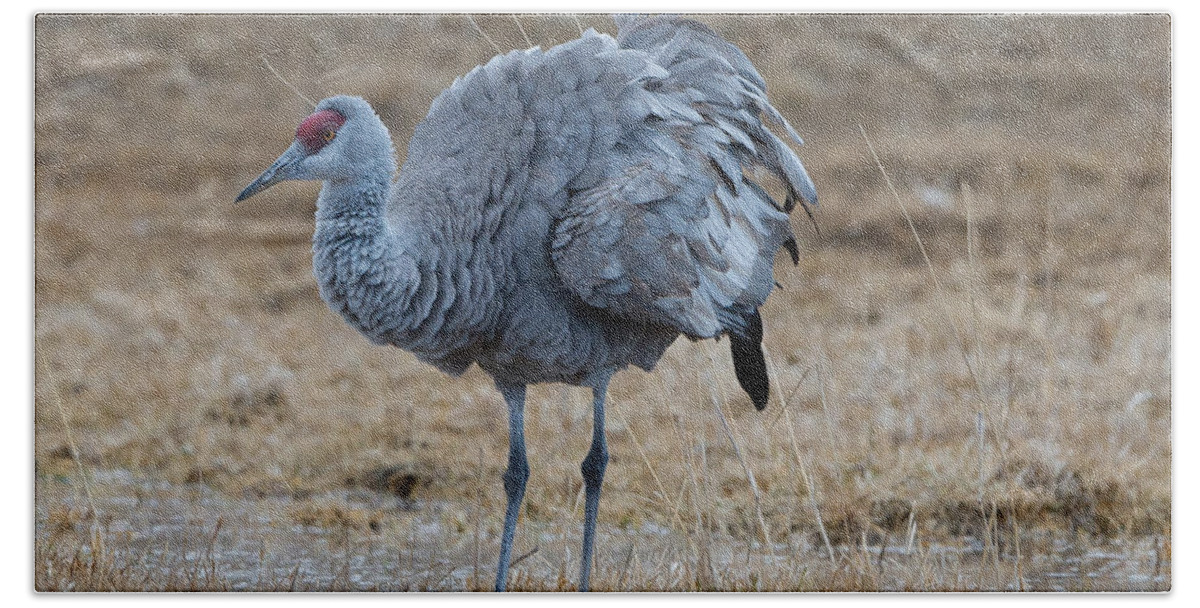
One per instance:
(593,476)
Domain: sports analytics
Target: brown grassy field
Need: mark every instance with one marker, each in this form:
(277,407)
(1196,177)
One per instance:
(998,418)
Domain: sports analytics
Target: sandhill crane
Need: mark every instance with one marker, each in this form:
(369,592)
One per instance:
(561,214)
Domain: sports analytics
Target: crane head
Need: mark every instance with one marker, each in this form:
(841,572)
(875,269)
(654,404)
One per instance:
(339,140)
(313,135)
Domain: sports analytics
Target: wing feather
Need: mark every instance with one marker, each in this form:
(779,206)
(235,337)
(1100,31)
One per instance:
(675,231)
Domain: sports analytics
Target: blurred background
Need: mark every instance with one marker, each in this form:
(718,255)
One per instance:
(996,418)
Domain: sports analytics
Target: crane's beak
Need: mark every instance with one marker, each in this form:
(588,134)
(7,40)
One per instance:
(283,169)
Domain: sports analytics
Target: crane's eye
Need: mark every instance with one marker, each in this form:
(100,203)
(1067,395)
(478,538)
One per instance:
(319,129)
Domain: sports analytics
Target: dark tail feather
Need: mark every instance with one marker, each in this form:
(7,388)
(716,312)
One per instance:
(793,249)
(748,361)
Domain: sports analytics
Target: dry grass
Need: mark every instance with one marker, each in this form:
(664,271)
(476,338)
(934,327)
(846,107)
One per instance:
(1007,427)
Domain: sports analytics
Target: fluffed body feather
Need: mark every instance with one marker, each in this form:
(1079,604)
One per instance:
(565,213)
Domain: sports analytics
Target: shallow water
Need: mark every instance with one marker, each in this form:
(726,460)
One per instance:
(190,532)
(250,544)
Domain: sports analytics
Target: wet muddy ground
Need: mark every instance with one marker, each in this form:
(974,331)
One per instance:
(199,538)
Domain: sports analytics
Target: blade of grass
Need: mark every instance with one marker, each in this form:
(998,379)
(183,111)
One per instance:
(97,539)
(737,451)
(528,42)
(662,490)
(937,283)
(499,51)
(808,483)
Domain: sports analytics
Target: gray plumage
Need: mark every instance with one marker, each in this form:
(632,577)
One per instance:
(561,214)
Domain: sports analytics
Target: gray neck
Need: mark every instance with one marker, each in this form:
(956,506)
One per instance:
(363,272)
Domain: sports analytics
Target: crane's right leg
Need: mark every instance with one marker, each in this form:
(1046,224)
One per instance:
(516,474)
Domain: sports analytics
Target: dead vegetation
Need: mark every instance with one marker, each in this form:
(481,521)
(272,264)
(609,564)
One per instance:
(972,361)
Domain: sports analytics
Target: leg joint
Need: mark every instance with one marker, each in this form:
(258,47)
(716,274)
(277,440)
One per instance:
(515,476)
(595,463)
